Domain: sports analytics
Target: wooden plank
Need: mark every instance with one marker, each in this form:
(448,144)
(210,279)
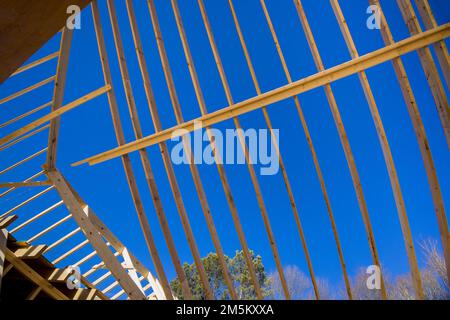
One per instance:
(217,157)
(5,222)
(344,141)
(55,114)
(277,150)
(319,79)
(32,23)
(125,159)
(37,195)
(34,155)
(28,272)
(440,47)
(251,169)
(58,94)
(50,228)
(62,239)
(71,251)
(24,184)
(94,238)
(37,216)
(27,89)
(25,114)
(429,67)
(30,252)
(36,63)
(3,247)
(422,139)
(143,153)
(26,180)
(388,158)
(32,133)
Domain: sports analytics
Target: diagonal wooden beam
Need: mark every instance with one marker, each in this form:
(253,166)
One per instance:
(35,277)
(429,67)
(25,184)
(93,236)
(136,197)
(217,156)
(58,94)
(388,158)
(34,155)
(27,89)
(392,51)
(422,140)
(248,160)
(36,63)
(440,47)
(344,142)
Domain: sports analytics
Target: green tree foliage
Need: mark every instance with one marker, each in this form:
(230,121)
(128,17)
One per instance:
(238,271)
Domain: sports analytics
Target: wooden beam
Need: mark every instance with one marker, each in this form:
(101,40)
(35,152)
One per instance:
(62,239)
(50,228)
(94,237)
(344,141)
(319,79)
(55,114)
(440,47)
(26,90)
(7,221)
(24,184)
(36,63)
(429,67)
(58,94)
(422,139)
(248,160)
(26,180)
(168,165)
(34,155)
(118,245)
(388,158)
(35,277)
(3,248)
(25,114)
(37,195)
(37,216)
(217,157)
(136,197)
(71,251)
(313,152)
(277,151)
(32,133)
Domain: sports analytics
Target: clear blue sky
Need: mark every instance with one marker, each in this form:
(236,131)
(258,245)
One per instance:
(88,130)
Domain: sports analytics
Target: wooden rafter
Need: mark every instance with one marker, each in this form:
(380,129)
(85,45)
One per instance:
(390,52)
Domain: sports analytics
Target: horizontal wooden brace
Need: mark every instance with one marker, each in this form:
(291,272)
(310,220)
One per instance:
(303,85)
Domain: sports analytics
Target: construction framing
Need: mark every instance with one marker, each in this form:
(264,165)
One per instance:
(133,280)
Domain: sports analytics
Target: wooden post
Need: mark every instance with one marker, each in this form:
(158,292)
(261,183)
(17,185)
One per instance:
(3,247)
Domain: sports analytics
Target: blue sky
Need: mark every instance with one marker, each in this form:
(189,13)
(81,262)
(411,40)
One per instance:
(88,130)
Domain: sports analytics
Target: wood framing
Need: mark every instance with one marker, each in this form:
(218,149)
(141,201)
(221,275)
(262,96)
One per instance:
(319,79)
